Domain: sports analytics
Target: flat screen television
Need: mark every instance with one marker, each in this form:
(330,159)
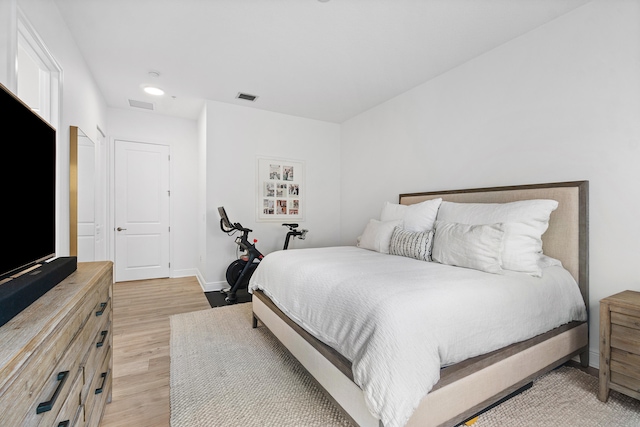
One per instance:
(27,186)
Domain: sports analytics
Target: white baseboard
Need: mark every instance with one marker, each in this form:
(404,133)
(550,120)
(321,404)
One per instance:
(210,286)
(594,359)
(206,286)
(186,272)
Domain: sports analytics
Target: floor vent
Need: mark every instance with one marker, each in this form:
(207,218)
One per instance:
(246,96)
(141,104)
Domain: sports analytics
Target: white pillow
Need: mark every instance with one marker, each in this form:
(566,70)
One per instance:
(525,222)
(377,235)
(547,261)
(411,244)
(472,246)
(416,217)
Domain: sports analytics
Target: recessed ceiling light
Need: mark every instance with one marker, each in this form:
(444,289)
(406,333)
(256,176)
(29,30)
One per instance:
(151,90)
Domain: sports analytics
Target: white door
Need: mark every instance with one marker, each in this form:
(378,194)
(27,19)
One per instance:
(100,205)
(141,211)
(87,193)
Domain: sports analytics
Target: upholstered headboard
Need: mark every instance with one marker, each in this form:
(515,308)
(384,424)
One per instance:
(567,237)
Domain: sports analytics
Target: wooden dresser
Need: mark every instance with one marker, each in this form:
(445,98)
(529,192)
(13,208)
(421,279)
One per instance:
(55,356)
(620,344)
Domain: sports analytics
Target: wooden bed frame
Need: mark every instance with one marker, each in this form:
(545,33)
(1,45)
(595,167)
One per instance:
(468,387)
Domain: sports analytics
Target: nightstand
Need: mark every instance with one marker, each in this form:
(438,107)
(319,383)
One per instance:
(620,344)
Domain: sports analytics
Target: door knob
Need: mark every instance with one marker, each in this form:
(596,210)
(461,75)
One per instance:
(120,229)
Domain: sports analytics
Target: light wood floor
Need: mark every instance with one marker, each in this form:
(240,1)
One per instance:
(141,311)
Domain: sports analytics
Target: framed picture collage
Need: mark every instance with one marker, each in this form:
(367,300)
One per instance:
(280,189)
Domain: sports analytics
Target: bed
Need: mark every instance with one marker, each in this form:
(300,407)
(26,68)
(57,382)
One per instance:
(343,314)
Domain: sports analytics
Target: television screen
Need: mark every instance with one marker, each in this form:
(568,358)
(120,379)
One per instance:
(27,186)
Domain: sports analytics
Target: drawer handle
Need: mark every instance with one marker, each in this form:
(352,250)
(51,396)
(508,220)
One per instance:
(64,423)
(104,337)
(103,305)
(46,406)
(104,380)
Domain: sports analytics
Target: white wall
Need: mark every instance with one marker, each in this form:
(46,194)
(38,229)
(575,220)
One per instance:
(8,43)
(560,103)
(82,102)
(181,135)
(235,135)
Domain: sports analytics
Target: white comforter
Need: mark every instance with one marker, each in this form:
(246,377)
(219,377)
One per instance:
(398,320)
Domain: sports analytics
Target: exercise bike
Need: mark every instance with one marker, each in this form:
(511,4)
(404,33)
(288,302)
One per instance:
(240,271)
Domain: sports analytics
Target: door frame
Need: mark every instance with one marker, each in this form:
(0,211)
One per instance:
(110,232)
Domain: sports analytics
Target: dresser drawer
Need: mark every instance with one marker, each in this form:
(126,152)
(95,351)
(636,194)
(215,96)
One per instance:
(54,391)
(100,347)
(45,348)
(99,333)
(620,344)
(624,383)
(625,338)
(99,392)
(627,318)
(38,394)
(71,410)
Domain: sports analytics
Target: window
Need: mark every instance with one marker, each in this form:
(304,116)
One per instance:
(38,74)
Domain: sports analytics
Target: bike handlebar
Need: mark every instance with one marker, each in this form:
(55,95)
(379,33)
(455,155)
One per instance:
(234,226)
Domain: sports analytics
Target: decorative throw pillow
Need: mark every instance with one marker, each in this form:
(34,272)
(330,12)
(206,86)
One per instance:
(525,222)
(471,246)
(377,235)
(411,244)
(416,217)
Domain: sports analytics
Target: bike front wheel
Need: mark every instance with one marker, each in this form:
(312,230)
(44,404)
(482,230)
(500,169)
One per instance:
(235,269)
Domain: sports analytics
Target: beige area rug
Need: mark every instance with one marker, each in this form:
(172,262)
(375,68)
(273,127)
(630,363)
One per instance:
(225,373)
(565,397)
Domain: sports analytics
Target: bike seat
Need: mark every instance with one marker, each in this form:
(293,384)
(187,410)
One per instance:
(291,225)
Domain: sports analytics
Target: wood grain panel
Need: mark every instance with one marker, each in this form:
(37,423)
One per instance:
(624,384)
(625,338)
(141,332)
(44,348)
(620,344)
(626,318)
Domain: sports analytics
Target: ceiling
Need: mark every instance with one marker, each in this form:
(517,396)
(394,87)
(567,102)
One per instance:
(321,60)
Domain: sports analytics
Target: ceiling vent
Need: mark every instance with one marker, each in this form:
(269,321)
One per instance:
(246,97)
(141,104)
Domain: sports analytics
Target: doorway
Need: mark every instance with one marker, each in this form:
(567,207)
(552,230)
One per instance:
(141,194)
